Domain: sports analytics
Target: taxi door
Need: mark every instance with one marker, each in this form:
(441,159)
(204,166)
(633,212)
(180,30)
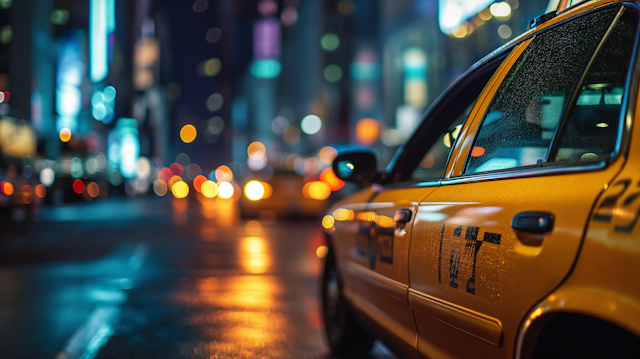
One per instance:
(376,270)
(373,231)
(504,228)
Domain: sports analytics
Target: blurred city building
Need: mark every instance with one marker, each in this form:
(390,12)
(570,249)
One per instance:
(123,96)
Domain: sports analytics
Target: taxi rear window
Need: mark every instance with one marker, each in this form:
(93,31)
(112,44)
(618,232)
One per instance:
(561,101)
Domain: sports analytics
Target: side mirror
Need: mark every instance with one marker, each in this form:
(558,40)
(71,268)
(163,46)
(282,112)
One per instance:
(359,166)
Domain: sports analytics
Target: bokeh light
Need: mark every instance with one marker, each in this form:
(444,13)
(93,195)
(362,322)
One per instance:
(6,188)
(330,42)
(367,131)
(322,251)
(291,135)
(41,191)
(176,169)
(188,133)
(254,190)
(209,67)
(504,31)
(164,174)
(256,151)
(160,187)
(343,214)
(47,176)
(268,190)
(311,124)
(316,190)
(225,190)
(209,189)
(65,135)
(215,102)
(93,190)
(289,16)
(173,180)
(329,177)
(213,35)
(78,186)
(180,189)
(193,171)
(198,182)
(332,73)
(500,9)
(224,174)
(327,154)
(328,221)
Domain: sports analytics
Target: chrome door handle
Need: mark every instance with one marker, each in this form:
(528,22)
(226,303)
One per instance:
(533,222)
(402,216)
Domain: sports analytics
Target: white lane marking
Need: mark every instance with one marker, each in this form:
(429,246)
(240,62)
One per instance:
(88,339)
(79,344)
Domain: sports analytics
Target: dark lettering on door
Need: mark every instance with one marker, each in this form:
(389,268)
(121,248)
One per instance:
(463,254)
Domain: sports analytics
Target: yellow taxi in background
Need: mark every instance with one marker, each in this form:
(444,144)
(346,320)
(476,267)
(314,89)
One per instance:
(507,226)
(285,195)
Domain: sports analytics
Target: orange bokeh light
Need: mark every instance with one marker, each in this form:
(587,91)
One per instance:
(367,131)
(41,191)
(93,189)
(173,181)
(198,182)
(65,135)
(477,151)
(224,174)
(327,175)
(316,190)
(6,188)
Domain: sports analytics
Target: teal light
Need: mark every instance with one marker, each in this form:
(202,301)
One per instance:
(265,69)
(99,66)
(111,16)
(365,71)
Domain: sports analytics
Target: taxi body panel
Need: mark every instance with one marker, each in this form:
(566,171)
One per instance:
(603,283)
(373,253)
(461,282)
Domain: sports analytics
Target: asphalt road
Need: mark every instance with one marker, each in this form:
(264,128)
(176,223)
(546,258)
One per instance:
(160,278)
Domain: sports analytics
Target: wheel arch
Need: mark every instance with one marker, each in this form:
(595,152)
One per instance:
(582,318)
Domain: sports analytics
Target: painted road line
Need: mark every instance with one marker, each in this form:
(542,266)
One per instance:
(87,340)
(78,345)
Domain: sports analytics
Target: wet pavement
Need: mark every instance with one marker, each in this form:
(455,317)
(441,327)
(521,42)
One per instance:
(160,278)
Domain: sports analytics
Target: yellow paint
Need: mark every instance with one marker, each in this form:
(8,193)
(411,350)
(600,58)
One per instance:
(516,279)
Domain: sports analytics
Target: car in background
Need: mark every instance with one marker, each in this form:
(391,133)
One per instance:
(284,195)
(507,226)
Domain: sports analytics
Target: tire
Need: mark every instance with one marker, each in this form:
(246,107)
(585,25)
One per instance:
(346,336)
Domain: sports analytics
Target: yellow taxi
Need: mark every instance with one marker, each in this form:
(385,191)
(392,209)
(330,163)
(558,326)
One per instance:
(507,226)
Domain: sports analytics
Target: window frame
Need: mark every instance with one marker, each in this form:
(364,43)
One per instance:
(624,128)
(406,155)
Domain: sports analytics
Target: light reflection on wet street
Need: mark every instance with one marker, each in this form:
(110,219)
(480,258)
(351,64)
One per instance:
(161,277)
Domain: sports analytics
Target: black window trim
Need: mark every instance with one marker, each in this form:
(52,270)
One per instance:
(623,138)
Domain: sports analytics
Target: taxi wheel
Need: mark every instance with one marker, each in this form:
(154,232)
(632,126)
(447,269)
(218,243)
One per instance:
(345,335)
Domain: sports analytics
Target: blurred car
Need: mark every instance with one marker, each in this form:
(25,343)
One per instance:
(285,195)
(507,226)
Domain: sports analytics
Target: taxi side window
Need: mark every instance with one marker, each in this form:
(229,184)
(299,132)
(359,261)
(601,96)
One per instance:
(592,123)
(520,124)
(429,154)
(433,164)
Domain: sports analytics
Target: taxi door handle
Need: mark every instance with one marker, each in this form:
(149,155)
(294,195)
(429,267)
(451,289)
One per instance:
(533,222)
(402,216)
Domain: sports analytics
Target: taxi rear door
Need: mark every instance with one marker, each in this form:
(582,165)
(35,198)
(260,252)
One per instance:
(503,230)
